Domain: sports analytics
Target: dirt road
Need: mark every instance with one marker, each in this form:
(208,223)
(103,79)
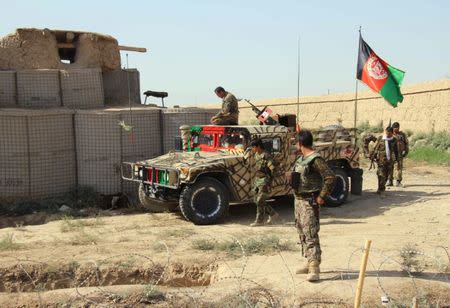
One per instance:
(118,260)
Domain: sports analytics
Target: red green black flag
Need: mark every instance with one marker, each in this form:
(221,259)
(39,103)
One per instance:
(378,75)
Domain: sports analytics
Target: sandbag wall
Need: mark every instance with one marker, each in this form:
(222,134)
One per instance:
(37,153)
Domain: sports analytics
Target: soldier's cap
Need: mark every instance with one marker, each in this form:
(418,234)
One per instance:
(395,125)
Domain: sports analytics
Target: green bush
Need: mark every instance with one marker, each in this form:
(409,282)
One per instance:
(259,245)
(7,242)
(366,127)
(431,155)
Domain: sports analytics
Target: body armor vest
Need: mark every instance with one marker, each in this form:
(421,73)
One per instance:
(310,179)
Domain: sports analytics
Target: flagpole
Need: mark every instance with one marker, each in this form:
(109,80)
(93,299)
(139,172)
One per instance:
(356,104)
(356,84)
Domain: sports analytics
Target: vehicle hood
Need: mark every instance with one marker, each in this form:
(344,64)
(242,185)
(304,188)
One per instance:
(190,159)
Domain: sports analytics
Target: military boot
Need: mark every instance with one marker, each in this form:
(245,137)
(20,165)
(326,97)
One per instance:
(257,224)
(399,184)
(272,218)
(390,183)
(313,271)
(259,220)
(304,269)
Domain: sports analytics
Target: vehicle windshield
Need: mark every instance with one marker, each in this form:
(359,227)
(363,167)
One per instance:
(219,141)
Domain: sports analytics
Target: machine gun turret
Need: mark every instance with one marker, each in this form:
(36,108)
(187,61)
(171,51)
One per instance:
(262,115)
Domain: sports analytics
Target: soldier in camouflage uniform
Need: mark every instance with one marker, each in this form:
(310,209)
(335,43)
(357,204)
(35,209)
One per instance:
(401,151)
(383,153)
(315,182)
(230,110)
(262,183)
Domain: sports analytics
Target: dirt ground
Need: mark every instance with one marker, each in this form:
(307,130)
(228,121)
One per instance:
(156,259)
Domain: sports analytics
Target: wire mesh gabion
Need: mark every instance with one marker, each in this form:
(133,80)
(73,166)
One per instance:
(37,153)
(121,87)
(38,88)
(104,142)
(8,93)
(82,88)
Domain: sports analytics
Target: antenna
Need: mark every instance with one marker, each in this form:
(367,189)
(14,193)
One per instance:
(129,104)
(298,78)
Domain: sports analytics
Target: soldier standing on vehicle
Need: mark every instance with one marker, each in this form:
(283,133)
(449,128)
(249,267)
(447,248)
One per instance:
(265,214)
(384,154)
(230,109)
(312,181)
(402,151)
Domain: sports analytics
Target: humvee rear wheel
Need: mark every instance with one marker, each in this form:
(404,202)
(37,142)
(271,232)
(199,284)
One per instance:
(155,206)
(340,192)
(204,202)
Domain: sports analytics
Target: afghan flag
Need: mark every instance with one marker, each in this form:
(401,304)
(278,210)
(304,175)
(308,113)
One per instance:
(378,75)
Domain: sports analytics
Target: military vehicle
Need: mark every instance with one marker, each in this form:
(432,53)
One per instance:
(208,171)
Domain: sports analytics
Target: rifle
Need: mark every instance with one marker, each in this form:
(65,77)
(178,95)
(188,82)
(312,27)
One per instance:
(268,120)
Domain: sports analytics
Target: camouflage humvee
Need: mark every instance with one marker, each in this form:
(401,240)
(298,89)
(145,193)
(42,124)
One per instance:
(209,172)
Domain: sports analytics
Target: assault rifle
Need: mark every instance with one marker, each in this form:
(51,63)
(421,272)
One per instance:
(262,115)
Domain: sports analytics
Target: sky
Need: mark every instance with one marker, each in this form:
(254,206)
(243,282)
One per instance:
(250,47)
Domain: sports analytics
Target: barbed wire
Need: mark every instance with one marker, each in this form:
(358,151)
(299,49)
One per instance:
(250,292)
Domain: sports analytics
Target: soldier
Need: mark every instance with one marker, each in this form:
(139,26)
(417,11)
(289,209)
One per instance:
(384,154)
(262,184)
(402,150)
(230,109)
(315,182)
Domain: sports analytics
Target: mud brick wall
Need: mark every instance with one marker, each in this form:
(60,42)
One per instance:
(426,106)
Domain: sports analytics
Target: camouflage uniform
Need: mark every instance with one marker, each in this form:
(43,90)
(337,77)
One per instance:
(379,155)
(262,184)
(316,179)
(401,150)
(230,112)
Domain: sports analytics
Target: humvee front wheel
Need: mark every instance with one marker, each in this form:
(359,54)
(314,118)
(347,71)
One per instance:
(204,202)
(340,192)
(152,205)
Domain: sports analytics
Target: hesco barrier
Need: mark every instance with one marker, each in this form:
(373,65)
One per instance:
(38,88)
(8,93)
(119,85)
(37,153)
(74,88)
(172,119)
(82,88)
(47,152)
(103,143)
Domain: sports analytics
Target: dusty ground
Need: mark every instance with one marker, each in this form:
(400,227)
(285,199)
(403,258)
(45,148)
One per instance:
(132,260)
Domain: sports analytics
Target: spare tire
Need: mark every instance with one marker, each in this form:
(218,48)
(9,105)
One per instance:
(340,192)
(204,202)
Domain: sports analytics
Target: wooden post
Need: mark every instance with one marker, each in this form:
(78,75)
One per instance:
(362,274)
(414,303)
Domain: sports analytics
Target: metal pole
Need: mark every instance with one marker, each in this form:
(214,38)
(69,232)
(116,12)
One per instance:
(356,104)
(356,86)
